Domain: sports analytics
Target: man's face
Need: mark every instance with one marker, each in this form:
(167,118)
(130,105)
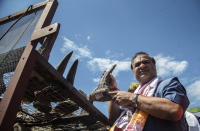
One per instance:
(143,68)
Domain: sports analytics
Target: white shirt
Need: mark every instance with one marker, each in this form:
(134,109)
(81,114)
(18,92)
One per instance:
(192,121)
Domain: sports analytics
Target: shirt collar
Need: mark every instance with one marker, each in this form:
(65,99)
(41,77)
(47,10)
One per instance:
(155,82)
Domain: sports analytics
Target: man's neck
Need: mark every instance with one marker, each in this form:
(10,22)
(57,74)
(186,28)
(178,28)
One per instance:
(148,82)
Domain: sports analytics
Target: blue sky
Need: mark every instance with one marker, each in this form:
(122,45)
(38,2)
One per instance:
(103,32)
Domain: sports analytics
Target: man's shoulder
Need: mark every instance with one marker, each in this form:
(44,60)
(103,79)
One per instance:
(166,83)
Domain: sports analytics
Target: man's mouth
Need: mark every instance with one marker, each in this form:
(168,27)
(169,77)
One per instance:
(143,72)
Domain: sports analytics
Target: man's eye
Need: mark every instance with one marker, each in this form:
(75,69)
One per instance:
(146,62)
(137,64)
(143,62)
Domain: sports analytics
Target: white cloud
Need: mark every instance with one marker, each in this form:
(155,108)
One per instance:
(88,37)
(84,51)
(108,52)
(168,66)
(96,80)
(193,91)
(113,55)
(69,44)
(165,65)
(95,64)
(81,51)
(101,64)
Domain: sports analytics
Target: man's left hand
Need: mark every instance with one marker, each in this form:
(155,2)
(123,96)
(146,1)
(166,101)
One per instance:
(122,98)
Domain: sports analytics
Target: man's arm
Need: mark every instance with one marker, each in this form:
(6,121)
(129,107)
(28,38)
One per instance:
(113,111)
(171,106)
(113,108)
(158,107)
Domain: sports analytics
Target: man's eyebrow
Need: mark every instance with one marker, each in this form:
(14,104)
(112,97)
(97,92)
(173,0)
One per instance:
(147,57)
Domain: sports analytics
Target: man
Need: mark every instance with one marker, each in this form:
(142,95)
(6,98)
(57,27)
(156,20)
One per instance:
(149,108)
(193,124)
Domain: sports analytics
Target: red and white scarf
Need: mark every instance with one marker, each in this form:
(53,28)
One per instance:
(135,120)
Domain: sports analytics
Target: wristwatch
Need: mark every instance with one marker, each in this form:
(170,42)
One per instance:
(134,100)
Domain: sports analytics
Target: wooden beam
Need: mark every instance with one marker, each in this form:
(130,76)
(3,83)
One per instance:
(74,94)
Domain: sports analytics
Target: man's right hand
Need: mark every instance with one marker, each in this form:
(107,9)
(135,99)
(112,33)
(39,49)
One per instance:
(113,83)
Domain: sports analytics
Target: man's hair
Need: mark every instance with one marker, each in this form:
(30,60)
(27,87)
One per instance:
(142,53)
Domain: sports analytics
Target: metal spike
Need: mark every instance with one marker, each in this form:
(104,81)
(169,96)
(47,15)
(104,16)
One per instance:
(45,47)
(72,72)
(63,63)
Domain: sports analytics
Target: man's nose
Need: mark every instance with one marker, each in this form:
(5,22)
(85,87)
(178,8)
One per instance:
(142,65)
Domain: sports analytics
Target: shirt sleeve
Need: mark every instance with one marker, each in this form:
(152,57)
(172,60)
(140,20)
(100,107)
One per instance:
(175,92)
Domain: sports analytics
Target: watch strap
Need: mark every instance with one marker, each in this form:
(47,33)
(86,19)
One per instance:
(134,100)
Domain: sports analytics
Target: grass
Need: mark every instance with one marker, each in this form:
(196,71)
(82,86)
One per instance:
(193,110)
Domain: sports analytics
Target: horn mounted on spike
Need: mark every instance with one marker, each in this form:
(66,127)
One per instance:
(100,93)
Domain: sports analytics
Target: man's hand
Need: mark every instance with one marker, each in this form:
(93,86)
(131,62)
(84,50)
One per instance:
(122,98)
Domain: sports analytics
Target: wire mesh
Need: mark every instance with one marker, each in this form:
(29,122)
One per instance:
(19,34)
(12,45)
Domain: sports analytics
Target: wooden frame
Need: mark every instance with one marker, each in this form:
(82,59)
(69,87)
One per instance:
(17,85)
(29,60)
